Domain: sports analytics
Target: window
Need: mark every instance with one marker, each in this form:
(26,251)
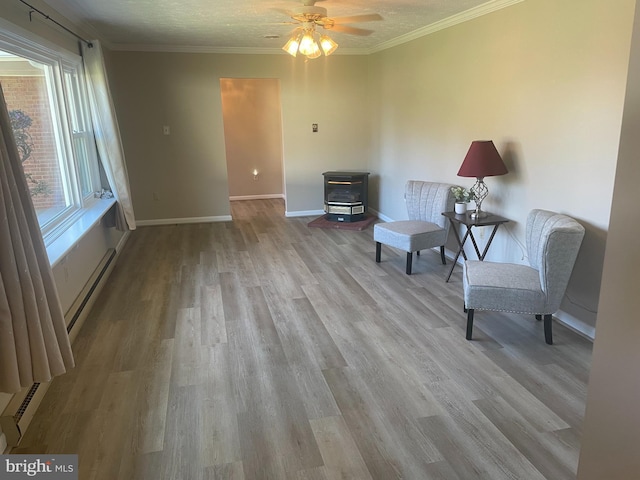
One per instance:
(46,99)
(83,141)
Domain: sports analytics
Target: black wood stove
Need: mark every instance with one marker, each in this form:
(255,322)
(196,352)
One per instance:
(345,195)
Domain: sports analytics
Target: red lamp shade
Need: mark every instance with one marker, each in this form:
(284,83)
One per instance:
(482,160)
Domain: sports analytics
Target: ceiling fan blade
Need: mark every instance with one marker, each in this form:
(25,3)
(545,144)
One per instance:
(357,18)
(350,30)
(270,24)
(282,10)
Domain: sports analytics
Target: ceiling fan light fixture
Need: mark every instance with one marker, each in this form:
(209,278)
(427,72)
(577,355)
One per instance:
(291,47)
(310,18)
(328,45)
(316,52)
(308,45)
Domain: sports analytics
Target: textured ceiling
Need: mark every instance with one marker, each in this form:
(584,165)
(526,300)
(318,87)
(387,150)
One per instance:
(248,24)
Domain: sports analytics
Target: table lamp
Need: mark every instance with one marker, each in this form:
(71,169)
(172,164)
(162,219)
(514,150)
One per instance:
(482,160)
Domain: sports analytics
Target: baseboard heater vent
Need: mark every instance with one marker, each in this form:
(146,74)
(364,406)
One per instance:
(87,294)
(25,403)
(18,414)
(11,424)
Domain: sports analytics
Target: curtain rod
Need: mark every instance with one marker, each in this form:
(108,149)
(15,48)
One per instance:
(47,17)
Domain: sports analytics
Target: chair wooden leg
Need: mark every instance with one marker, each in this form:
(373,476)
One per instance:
(409,260)
(548,337)
(442,257)
(469,323)
(378,250)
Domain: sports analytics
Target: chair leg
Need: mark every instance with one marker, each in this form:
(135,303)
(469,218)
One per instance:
(378,250)
(409,259)
(418,253)
(444,260)
(548,337)
(469,323)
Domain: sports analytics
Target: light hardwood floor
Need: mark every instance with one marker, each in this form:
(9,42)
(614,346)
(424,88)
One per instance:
(264,349)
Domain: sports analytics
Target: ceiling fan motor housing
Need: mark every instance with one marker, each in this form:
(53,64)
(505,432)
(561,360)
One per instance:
(309,13)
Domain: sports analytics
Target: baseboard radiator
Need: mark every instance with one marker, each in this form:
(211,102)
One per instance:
(19,412)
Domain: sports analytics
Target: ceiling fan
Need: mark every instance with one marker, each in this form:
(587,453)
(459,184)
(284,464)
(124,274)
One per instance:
(308,12)
(308,16)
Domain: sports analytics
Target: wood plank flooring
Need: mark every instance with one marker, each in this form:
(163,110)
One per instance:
(264,349)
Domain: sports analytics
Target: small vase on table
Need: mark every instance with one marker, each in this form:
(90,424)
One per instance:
(461,207)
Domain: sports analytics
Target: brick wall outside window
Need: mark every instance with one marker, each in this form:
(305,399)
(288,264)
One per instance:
(29,94)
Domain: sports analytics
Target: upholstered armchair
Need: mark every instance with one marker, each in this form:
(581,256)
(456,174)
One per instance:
(552,244)
(426,227)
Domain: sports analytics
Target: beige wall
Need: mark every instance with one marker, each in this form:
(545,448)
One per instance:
(545,81)
(253,136)
(612,424)
(184,175)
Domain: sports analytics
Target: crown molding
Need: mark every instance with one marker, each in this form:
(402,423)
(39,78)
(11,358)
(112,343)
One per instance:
(462,17)
(122,47)
(220,50)
(472,13)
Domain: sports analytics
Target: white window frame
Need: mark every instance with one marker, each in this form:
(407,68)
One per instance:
(81,104)
(61,62)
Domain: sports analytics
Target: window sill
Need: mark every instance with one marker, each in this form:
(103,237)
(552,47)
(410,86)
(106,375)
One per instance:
(87,219)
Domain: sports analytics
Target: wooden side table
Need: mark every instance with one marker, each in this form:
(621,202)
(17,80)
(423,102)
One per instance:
(466,220)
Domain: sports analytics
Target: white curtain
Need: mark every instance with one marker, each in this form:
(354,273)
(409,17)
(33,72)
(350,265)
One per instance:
(107,133)
(34,344)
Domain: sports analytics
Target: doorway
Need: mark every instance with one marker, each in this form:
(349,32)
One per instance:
(252,119)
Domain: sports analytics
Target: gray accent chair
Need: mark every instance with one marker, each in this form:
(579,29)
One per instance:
(552,244)
(426,227)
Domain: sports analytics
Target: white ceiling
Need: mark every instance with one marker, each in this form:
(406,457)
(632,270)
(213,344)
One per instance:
(237,25)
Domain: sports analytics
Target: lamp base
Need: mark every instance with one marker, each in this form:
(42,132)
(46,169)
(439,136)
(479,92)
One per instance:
(476,214)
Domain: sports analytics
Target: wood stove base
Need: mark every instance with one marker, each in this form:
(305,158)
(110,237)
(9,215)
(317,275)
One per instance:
(335,217)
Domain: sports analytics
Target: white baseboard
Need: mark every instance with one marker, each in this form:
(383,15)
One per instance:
(256,197)
(122,242)
(382,217)
(575,324)
(176,221)
(304,213)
